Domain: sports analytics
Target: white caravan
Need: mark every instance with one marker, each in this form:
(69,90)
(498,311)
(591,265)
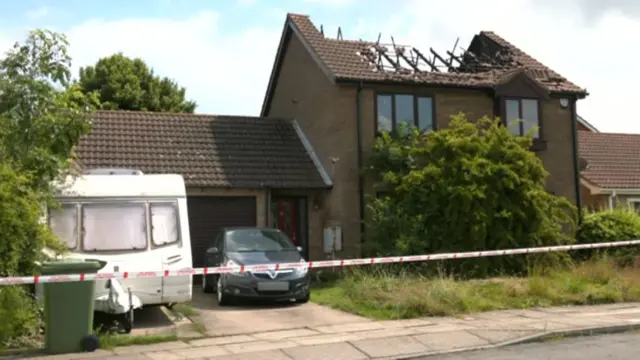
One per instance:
(133,222)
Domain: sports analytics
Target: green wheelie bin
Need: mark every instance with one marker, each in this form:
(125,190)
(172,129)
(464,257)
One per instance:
(68,307)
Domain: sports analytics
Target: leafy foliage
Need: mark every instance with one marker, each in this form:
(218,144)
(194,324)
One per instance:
(471,186)
(619,224)
(42,116)
(129,84)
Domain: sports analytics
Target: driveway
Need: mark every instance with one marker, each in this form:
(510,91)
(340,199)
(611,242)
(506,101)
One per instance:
(220,321)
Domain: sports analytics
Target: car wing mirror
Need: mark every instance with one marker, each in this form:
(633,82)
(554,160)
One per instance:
(213,250)
(299,248)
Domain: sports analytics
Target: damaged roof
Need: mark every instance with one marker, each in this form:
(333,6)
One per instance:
(612,159)
(207,150)
(485,64)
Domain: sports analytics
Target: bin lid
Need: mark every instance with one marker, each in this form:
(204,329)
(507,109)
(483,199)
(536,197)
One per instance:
(69,265)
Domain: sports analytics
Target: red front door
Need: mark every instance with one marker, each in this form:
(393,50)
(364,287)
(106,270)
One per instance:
(285,217)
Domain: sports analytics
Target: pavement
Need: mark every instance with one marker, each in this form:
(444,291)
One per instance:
(361,339)
(613,347)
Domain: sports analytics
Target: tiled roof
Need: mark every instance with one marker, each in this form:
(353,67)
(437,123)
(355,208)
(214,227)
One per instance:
(342,59)
(209,151)
(613,160)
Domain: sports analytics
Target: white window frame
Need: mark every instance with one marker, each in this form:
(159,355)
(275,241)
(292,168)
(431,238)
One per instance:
(631,202)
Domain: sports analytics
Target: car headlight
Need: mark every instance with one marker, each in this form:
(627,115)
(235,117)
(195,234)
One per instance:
(302,271)
(232,263)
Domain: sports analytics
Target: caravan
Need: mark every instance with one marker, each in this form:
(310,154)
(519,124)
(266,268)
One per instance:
(133,222)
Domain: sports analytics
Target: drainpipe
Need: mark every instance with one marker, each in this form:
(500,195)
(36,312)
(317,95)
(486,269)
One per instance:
(611,197)
(576,157)
(267,207)
(360,161)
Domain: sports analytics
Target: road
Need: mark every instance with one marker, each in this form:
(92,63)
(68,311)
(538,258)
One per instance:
(612,347)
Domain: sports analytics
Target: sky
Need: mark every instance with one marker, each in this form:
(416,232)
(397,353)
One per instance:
(222,52)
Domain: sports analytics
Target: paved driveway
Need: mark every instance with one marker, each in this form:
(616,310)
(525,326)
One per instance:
(258,318)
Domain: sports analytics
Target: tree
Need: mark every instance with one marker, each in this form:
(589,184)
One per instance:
(42,117)
(471,186)
(122,83)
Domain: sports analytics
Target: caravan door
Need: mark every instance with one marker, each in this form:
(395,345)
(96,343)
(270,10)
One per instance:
(170,240)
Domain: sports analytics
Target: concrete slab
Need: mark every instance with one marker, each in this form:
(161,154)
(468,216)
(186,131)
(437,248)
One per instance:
(353,327)
(341,351)
(259,346)
(200,352)
(163,355)
(442,328)
(392,346)
(500,336)
(151,347)
(220,321)
(284,334)
(326,339)
(450,341)
(261,355)
(222,340)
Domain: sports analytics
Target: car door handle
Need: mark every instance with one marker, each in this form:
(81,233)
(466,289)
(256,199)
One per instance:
(173,259)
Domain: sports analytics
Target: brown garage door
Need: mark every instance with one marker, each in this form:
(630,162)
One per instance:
(207,214)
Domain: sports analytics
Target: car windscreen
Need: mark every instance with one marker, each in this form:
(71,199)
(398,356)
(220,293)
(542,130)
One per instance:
(257,240)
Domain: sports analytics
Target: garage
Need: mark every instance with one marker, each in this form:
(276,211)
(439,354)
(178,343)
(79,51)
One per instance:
(208,214)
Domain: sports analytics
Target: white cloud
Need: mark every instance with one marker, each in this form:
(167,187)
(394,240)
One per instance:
(229,73)
(38,13)
(224,74)
(599,56)
(330,2)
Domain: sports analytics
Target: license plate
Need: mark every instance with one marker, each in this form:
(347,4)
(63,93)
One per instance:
(273,286)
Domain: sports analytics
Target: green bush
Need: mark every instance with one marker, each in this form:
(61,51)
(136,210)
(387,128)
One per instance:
(21,320)
(470,186)
(619,224)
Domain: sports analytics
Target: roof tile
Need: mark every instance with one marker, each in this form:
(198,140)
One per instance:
(612,159)
(209,151)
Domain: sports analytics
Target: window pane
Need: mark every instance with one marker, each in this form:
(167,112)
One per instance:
(258,240)
(404,110)
(384,113)
(164,223)
(115,226)
(513,114)
(64,224)
(530,116)
(425,113)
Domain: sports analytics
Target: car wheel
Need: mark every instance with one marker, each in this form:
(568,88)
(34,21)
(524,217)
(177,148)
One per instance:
(304,299)
(207,287)
(222,298)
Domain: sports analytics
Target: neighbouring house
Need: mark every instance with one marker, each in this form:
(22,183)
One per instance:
(343,92)
(584,125)
(611,176)
(239,171)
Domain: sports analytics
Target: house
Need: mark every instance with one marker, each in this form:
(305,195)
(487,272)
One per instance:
(342,92)
(584,125)
(239,171)
(611,176)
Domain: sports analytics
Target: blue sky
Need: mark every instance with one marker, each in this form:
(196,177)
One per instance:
(222,51)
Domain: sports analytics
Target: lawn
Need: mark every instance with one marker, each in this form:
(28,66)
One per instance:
(382,296)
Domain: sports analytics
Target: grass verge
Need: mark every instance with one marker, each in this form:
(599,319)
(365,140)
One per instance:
(111,341)
(381,295)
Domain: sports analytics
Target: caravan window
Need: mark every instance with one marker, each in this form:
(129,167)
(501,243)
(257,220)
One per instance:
(164,223)
(63,222)
(114,226)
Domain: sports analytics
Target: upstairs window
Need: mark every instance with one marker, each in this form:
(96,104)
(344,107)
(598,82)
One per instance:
(525,110)
(394,109)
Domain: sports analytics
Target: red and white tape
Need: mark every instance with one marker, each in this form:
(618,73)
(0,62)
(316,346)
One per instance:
(35,279)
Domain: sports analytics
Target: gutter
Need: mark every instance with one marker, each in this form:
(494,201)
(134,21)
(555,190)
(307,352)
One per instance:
(360,161)
(576,158)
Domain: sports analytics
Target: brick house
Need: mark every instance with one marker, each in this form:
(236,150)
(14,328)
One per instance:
(239,171)
(342,92)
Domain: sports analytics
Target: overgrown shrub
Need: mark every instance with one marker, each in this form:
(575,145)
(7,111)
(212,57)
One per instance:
(619,224)
(471,186)
(42,117)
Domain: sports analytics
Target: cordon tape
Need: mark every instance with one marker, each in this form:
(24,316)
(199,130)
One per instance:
(36,279)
